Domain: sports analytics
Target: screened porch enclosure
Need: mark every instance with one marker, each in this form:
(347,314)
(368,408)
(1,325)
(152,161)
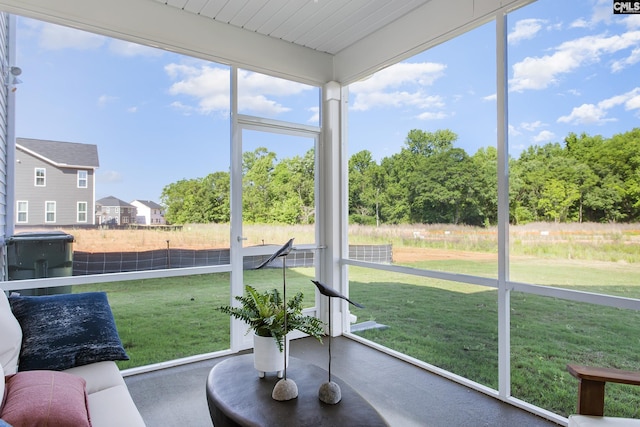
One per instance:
(486,312)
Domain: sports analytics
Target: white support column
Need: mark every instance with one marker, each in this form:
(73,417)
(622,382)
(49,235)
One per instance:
(330,209)
(235,244)
(504,293)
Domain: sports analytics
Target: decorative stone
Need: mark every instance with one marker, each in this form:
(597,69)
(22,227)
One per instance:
(330,393)
(285,390)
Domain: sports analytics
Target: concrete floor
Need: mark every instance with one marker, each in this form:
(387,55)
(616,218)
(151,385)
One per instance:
(403,394)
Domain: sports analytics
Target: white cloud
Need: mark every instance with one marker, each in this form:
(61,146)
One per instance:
(586,114)
(541,72)
(596,114)
(127,49)
(251,83)
(132,110)
(633,103)
(579,23)
(106,99)
(210,86)
(544,136)
(428,115)
(184,109)
(492,97)
(633,58)
(632,22)
(55,37)
(532,126)
(420,73)
(525,29)
(630,100)
(513,131)
(400,85)
(601,13)
(315,115)
(529,127)
(259,104)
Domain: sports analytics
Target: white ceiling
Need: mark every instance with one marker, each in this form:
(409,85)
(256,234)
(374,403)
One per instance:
(324,25)
(311,41)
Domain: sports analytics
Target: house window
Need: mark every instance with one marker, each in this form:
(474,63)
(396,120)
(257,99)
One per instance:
(125,219)
(50,212)
(40,177)
(82,179)
(82,211)
(23,211)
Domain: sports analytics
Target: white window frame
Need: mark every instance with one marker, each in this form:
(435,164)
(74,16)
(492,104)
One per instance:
(36,177)
(24,211)
(80,212)
(47,211)
(83,179)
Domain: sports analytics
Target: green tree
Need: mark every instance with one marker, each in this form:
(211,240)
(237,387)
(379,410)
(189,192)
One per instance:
(404,173)
(442,188)
(199,200)
(485,183)
(257,196)
(428,143)
(366,185)
(293,188)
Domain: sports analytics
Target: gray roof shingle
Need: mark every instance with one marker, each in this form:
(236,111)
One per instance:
(62,154)
(113,201)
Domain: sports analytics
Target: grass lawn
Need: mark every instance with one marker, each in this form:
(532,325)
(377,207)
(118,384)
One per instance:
(450,325)
(454,326)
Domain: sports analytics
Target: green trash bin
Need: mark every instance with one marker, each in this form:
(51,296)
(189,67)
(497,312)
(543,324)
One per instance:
(38,255)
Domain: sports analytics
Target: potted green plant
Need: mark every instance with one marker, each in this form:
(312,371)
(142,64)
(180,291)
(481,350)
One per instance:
(264,313)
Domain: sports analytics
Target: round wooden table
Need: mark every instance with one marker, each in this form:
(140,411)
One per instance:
(238,397)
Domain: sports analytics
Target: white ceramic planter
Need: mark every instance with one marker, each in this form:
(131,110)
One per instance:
(267,356)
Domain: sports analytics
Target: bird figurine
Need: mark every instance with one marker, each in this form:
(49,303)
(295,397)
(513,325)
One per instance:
(329,391)
(283,251)
(330,292)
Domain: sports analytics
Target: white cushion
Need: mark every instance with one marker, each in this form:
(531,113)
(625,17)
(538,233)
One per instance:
(1,388)
(114,407)
(593,421)
(10,337)
(99,376)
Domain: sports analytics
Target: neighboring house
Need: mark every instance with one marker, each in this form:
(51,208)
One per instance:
(54,182)
(149,213)
(113,211)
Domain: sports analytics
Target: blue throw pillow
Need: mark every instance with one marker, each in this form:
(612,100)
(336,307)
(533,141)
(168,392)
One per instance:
(66,330)
(3,423)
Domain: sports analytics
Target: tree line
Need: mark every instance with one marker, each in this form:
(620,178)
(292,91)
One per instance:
(584,179)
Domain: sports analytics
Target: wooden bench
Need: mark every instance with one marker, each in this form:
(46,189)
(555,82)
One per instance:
(591,386)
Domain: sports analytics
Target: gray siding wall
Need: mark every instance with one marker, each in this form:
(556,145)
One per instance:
(5,53)
(61,187)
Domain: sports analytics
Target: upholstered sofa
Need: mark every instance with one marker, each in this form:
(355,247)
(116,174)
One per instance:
(69,378)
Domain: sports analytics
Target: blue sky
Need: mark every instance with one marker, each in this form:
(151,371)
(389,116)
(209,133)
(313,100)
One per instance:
(158,117)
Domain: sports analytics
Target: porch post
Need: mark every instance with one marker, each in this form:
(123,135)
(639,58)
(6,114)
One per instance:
(504,290)
(237,328)
(331,205)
